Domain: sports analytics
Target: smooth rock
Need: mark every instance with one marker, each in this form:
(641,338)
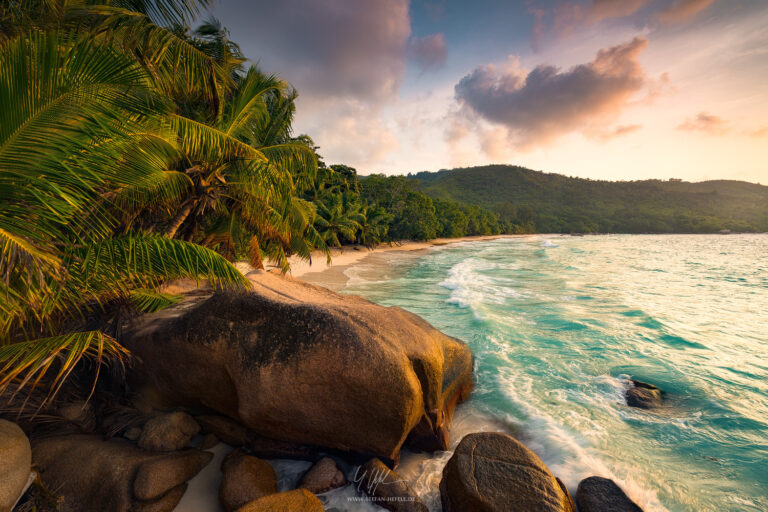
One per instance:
(168,432)
(389,489)
(15,463)
(80,413)
(643,395)
(299,363)
(324,476)
(227,430)
(597,494)
(156,476)
(493,472)
(299,500)
(245,479)
(88,473)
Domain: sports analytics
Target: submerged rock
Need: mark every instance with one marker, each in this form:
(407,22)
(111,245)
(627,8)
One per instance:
(89,473)
(168,432)
(597,494)
(643,395)
(388,488)
(324,476)
(299,500)
(244,479)
(299,363)
(15,463)
(493,472)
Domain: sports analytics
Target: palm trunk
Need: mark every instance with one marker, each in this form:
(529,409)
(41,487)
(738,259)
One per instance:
(179,219)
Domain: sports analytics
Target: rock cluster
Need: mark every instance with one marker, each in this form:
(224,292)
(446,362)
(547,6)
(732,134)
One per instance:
(301,364)
(644,395)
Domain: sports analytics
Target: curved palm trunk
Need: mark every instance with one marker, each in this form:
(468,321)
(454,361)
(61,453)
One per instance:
(179,219)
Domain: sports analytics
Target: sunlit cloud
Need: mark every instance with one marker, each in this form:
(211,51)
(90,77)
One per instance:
(682,10)
(539,106)
(706,123)
(429,52)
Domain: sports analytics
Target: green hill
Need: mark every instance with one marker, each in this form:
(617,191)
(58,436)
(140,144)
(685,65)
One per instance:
(547,202)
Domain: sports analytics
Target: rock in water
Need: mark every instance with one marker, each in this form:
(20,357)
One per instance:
(299,500)
(299,363)
(643,395)
(492,472)
(89,473)
(15,463)
(596,494)
(324,476)
(168,432)
(388,488)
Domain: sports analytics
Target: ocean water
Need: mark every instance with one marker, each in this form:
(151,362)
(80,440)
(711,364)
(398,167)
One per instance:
(559,325)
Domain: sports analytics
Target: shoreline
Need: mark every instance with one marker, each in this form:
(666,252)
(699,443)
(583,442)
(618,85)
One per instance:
(333,275)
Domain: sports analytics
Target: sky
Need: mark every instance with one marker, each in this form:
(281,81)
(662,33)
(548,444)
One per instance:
(600,89)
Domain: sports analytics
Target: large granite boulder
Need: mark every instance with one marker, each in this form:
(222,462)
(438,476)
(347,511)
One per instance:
(387,488)
(299,363)
(493,472)
(644,395)
(89,473)
(597,494)
(15,463)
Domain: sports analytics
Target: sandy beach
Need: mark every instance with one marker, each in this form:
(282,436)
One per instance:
(333,275)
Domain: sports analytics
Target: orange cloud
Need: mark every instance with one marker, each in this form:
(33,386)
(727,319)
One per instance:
(682,10)
(429,52)
(546,103)
(706,123)
(620,131)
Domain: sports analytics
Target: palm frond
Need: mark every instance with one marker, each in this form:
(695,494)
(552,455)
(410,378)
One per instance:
(28,363)
(151,301)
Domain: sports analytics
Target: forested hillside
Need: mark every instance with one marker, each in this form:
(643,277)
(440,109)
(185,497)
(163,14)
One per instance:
(546,202)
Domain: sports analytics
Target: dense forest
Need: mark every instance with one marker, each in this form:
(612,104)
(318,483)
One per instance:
(553,203)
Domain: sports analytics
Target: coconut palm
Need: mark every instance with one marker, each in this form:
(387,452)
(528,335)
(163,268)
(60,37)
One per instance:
(81,129)
(338,218)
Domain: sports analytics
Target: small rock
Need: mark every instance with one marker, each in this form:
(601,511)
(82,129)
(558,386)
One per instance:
(15,463)
(299,500)
(227,430)
(209,441)
(493,472)
(388,488)
(245,479)
(168,432)
(80,413)
(644,395)
(132,434)
(324,476)
(596,494)
(88,473)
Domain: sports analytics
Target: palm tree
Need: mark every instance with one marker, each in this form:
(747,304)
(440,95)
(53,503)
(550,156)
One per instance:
(338,218)
(244,169)
(83,133)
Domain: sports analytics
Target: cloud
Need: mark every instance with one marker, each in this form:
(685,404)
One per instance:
(546,103)
(333,48)
(355,135)
(619,131)
(706,123)
(428,52)
(682,10)
(565,17)
(760,132)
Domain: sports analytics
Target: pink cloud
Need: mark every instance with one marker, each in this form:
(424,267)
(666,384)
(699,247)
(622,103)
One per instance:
(706,123)
(429,52)
(682,10)
(546,103)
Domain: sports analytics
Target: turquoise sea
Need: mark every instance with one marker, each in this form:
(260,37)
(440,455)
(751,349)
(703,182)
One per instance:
(559,324)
